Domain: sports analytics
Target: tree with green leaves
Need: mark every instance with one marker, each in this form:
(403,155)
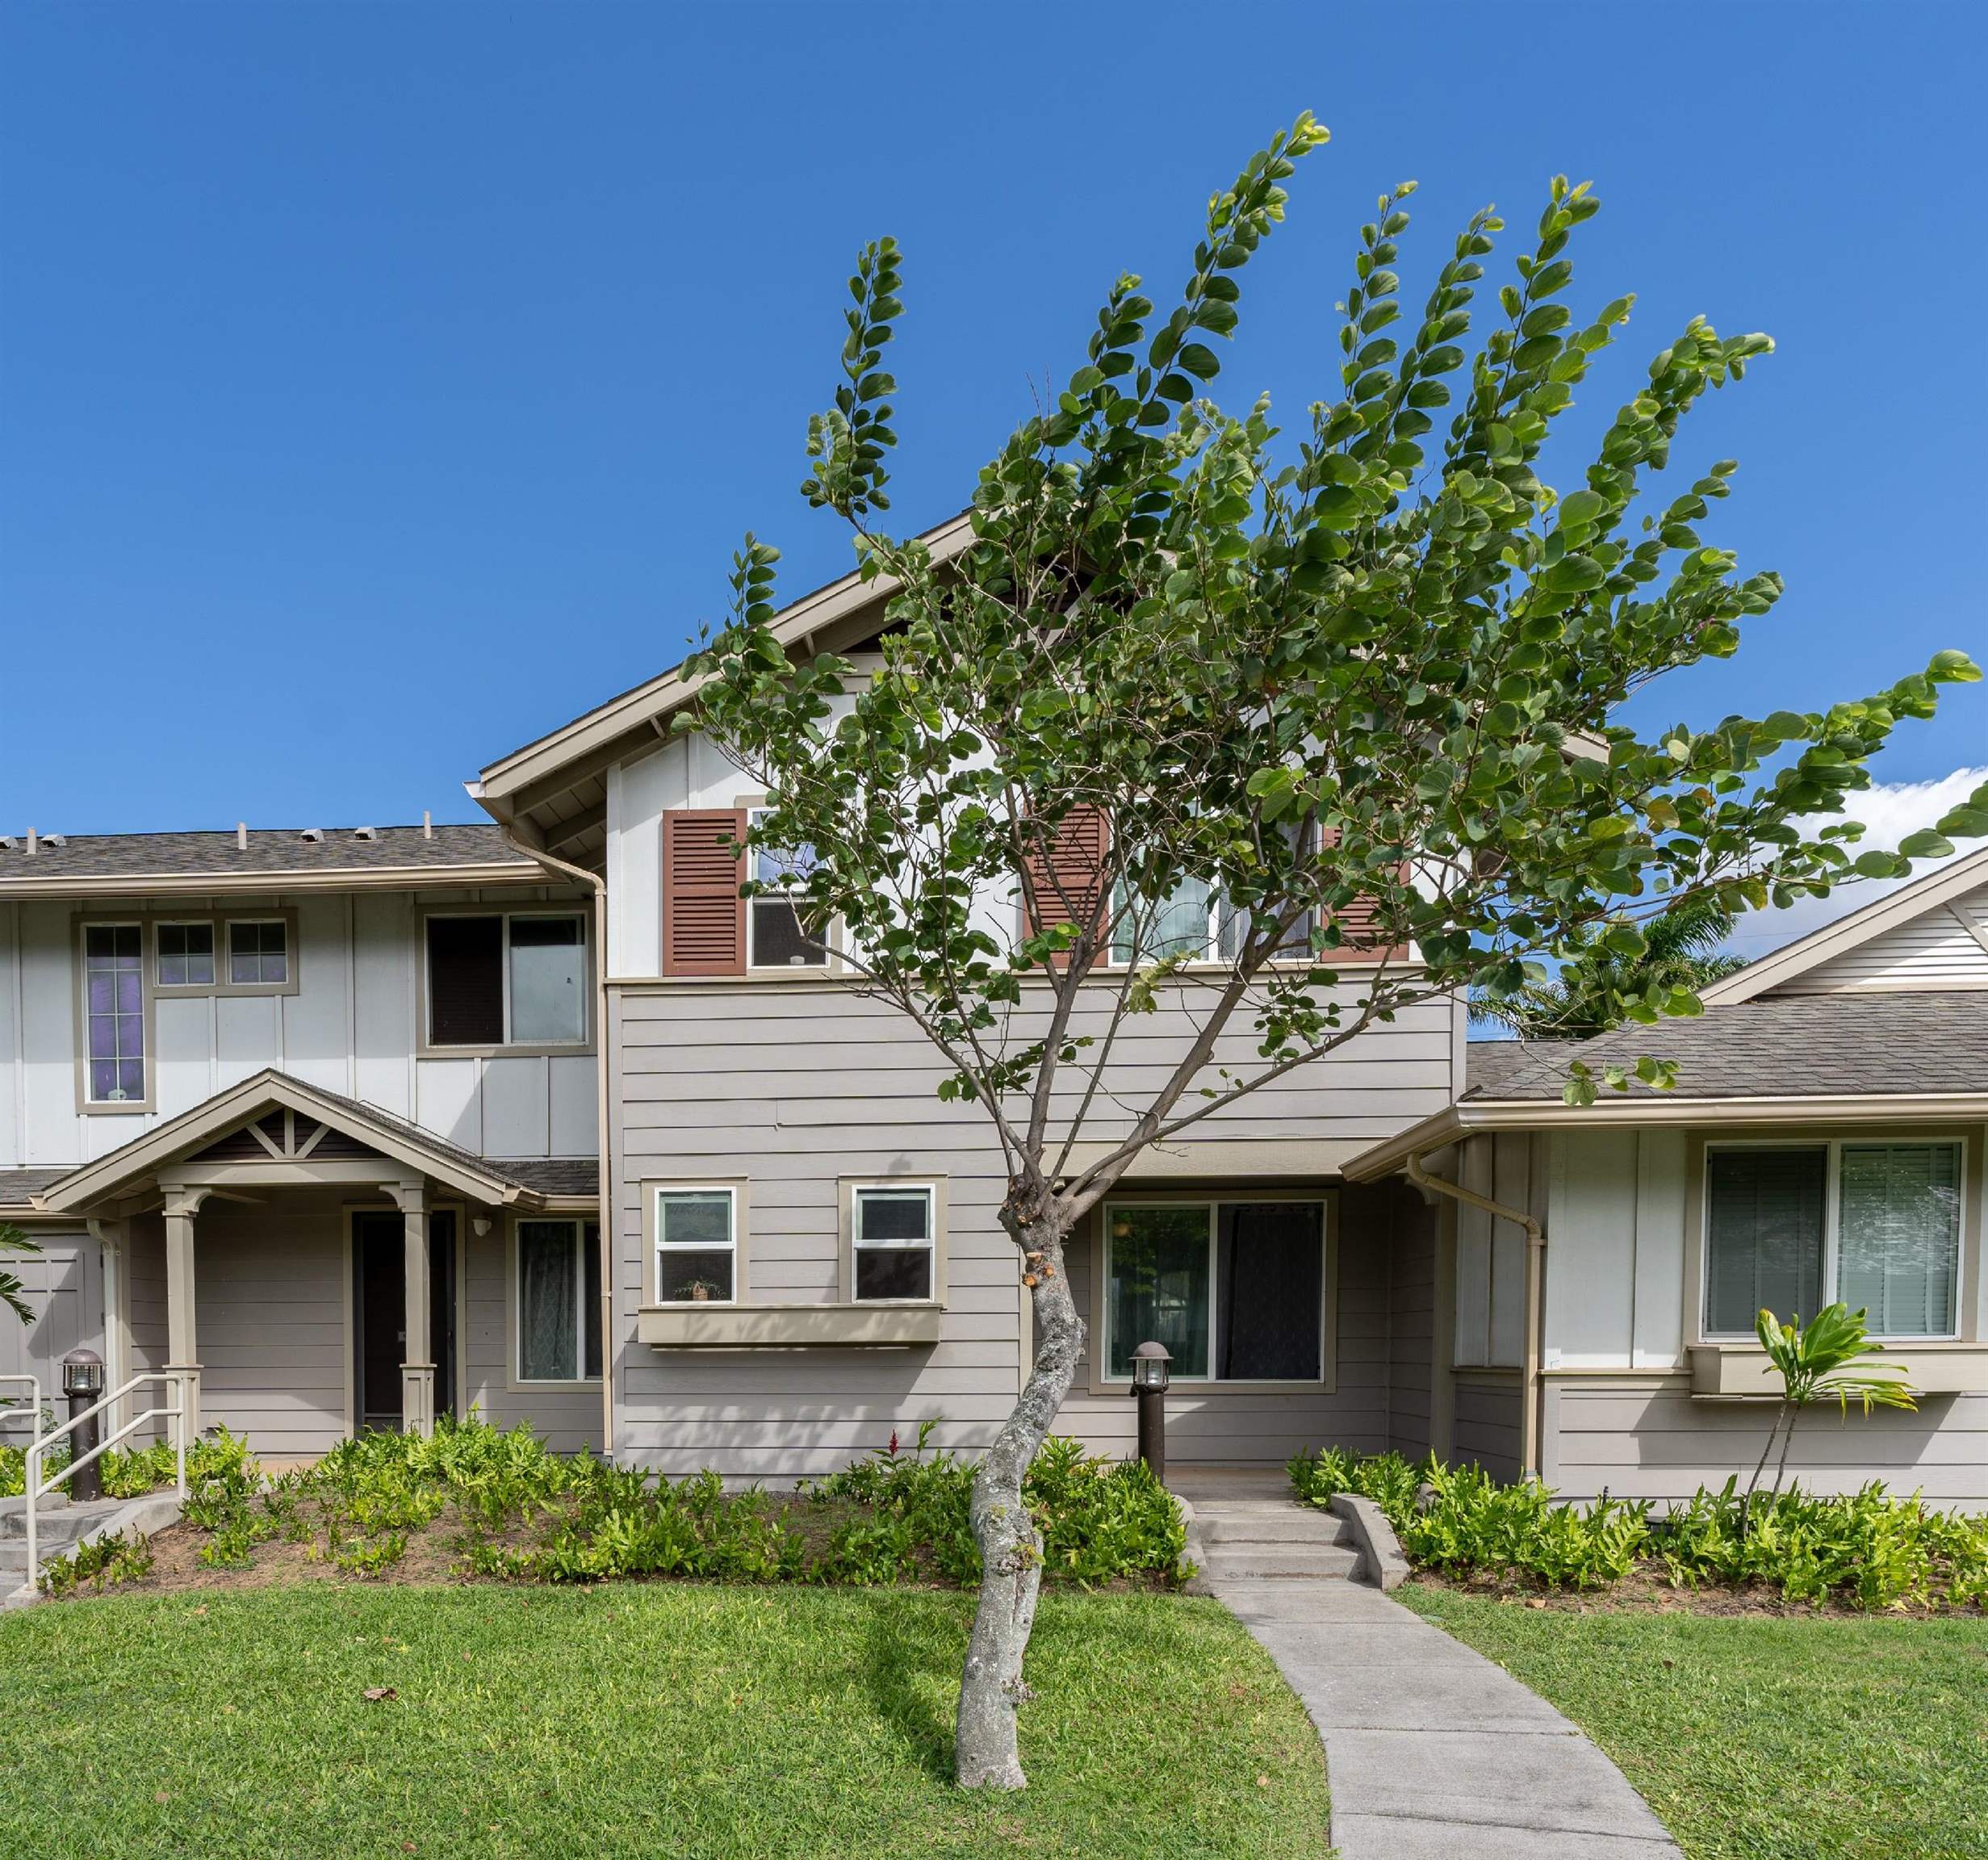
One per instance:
(1255,741)
(1682,948)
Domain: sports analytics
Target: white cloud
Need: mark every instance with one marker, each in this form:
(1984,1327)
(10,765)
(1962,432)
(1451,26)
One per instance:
(1889,813)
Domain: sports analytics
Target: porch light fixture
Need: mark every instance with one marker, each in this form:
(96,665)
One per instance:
(1149,1371)
(1150,1381)
(83,1382)
(82,1373)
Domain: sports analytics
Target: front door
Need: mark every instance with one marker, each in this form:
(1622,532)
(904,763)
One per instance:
(379,1305)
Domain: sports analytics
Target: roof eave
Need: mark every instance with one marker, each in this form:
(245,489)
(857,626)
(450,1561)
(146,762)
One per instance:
(1470,1117)
(225,884)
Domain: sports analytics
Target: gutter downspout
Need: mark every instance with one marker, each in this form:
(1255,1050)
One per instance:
(603,1221)
(1535,1251)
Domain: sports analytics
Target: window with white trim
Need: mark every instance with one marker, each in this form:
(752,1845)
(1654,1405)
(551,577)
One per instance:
(186,955)
(558,1301)
(1790,1227)
(1196,922)
(697,1246)
(1235,1290)
(775,935)
(893,1246)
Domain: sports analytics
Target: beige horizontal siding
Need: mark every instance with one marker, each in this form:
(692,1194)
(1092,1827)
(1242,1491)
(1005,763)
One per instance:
(1488,1430)
(1652,1439)
(796,1086)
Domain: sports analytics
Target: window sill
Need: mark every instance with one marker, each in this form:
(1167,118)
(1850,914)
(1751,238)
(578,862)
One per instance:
(1937,1366)
(695,1327)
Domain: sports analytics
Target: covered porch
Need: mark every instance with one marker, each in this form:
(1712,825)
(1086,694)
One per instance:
(307,1267)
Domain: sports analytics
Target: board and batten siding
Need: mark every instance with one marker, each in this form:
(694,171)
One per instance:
(567,1418)
(1619,1413)
(1945,946)
(349,1028)
(794,1085)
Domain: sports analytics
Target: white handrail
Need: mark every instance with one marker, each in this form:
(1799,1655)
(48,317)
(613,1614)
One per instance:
(34,1397)
(36,1487)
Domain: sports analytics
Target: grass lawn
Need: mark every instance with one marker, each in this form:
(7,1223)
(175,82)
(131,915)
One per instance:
(1767,1738)
(665,1719)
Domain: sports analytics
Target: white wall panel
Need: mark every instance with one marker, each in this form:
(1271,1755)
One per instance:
(185,1068)
(247,1037)
(517,1112)
(449,1101)
(576,1129)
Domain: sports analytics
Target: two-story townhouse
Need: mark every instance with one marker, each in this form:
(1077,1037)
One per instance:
(308,1119)
(804,1253)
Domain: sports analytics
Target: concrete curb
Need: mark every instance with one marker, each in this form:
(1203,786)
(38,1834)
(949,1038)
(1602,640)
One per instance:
(153,1512)
(1381,1561)
(1194,1551)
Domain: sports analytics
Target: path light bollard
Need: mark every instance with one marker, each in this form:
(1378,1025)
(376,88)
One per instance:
(83,1381)
(1149,1379)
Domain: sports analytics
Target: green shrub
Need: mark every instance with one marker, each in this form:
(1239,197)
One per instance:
(1869,1549)
(117,1558)
(523,1513)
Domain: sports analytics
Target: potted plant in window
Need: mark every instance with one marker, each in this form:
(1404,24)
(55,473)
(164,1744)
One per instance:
(701,1291)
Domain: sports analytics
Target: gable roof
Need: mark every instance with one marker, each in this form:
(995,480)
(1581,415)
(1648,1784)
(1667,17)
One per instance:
(275,858)
(1925,893)
(533,781)
(531,1184)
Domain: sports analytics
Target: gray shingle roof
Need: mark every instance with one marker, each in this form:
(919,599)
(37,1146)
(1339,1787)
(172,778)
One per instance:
(1773,1046)
(270,850)
(17,1185)
(551,1174)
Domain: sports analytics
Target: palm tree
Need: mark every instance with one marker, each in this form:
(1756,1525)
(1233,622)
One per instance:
(1681,949)
(1813,1363)
(13,1240)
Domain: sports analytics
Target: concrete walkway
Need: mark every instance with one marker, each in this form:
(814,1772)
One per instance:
(1430,1748)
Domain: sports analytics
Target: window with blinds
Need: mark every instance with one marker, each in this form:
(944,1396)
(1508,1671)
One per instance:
(1875,1225)
(1899,1235)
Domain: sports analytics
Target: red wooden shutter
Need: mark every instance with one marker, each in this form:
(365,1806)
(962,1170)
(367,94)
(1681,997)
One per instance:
(1065,873)
(1359,929)
(704,917)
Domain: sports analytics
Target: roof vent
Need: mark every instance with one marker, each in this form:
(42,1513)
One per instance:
(55,839)
(241,835)
(310,836)
(365,832)
(7,842)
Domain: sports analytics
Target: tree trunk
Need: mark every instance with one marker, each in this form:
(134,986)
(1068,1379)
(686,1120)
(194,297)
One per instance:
(1787,1440)
(1753,1485)
(986,1752)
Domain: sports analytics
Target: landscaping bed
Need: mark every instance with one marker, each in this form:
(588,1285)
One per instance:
(792,1722)
(472,1503)
(1865,1550)
(1860,1738)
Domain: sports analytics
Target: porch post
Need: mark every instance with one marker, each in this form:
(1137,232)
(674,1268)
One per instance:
(182,1351)
(417,1369)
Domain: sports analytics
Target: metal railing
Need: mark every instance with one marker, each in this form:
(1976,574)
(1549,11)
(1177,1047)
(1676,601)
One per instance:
(10,1409)
(36,1488)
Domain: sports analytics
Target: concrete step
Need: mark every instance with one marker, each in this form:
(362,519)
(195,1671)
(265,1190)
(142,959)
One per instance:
(59,1525)
(1240,1524)
(1224,1560)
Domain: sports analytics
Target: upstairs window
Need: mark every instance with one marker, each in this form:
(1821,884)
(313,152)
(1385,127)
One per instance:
(518,979)
(258,953)
(113,1008)
(186,955)
(775,938)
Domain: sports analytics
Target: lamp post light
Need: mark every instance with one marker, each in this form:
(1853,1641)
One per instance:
(1150,1381)
(83,1381)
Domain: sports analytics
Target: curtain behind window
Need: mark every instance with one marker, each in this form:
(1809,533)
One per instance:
(1899,1244)
(1269,1263)
(546,1291)
(1763,1249)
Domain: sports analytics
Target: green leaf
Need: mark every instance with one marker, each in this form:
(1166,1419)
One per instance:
(1925,845)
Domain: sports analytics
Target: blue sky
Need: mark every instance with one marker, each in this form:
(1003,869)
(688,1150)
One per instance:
(382,386)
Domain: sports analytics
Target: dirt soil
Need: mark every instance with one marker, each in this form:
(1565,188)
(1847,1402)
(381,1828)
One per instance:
(1643,1592)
